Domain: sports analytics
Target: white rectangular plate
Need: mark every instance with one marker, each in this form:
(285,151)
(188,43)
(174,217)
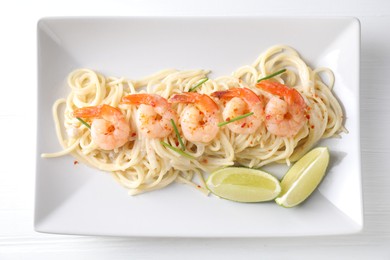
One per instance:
(75,199)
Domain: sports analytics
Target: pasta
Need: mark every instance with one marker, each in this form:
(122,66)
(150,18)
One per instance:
(145,164)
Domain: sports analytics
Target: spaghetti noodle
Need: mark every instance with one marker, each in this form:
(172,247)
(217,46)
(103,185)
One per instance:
(145,164)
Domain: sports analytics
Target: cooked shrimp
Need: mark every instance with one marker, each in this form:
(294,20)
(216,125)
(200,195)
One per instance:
(109,129)
(154,114)
(285,112)
(199,121)
(241,101)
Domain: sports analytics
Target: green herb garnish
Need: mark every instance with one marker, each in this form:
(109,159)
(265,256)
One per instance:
(198,85)
(83,122)
(178,135)
(235,119)
(272,75)
(177,150)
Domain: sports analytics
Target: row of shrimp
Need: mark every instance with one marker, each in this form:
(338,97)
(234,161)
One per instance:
(282,111)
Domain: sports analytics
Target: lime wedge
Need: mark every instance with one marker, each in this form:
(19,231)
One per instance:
(243,184)
(303,177)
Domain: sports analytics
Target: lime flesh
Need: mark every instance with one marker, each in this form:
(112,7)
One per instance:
(243,184)
(303,177)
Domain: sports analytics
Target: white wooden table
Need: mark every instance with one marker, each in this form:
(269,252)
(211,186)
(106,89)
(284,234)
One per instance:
(18,240)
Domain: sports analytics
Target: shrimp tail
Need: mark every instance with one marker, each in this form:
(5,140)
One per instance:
(236,92)
(95,111)
(183,98)
(291,95)
(138,99)
(87,112)
(273,87)
(224,94)
(202,101)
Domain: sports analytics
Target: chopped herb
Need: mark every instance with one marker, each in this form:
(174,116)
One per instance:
(178,135)
(177,150)
(198,85)
(272,75)
(83,122)
(235,119)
